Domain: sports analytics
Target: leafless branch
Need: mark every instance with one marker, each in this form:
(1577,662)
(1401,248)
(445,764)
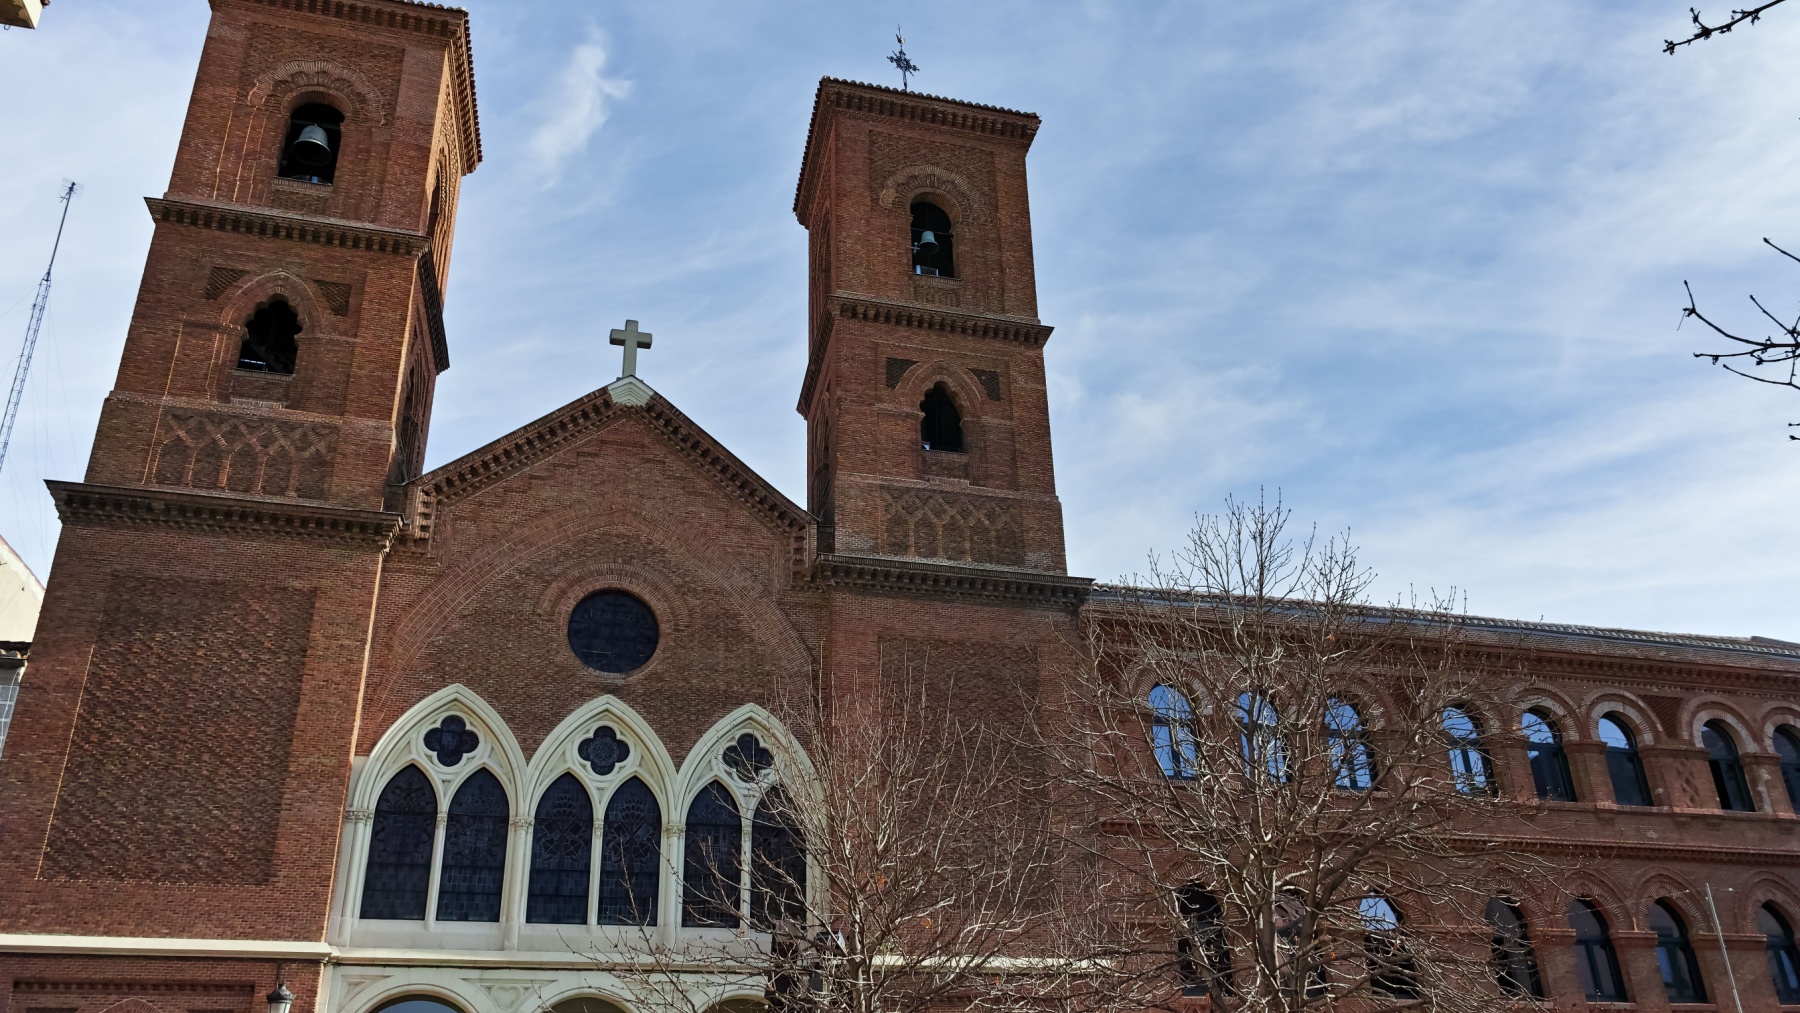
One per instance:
(1702,30)
(1779,349)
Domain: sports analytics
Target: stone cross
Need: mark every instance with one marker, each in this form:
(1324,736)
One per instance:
(633,339)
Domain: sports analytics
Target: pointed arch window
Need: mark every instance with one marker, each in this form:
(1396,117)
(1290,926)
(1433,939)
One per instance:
(1596,962)
(1727,768)
(630,856)
(1469,762)
(1784,960)
(474,851)
(1515,962)
(1202,954)
(1265,754)
(397,879)
(1787,747)
(940,428)
(712,865)
(777,862)
(1349,745)
(1172,733)
(1549,765)
(562,845)
(1675,955)
(933,247)
(269,344)
(1623,762)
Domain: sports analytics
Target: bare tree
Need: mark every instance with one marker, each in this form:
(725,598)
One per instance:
(896,865)
(1287,787)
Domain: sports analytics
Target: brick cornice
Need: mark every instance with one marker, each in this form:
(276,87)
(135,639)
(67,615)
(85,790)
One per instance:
(270,224)
(836,96)
(919,317)
(921,578)
(214,513)
(450,24)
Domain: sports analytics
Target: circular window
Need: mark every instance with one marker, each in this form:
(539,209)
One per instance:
(613,631)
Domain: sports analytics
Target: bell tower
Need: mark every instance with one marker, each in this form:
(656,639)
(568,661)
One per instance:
(216,579)
(928,423)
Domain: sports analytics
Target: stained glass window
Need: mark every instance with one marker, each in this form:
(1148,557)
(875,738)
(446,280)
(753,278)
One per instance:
(630,856)
(398,876)
(712,867)
(777,862)
(451,740)
(747,757)
(604,751)
(474,852)
(613,631)
(562,845)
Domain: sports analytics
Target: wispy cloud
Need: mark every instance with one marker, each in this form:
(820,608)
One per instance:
(577,107)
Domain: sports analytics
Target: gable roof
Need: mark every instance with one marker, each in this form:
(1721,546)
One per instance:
(585,416)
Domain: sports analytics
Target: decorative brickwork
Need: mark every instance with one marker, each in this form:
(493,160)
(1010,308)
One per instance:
(337,296)
(896,368)
(262,457)
(935,525)
(220,279)
(145,797)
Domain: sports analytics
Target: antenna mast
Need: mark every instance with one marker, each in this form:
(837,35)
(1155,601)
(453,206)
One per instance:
(22,365)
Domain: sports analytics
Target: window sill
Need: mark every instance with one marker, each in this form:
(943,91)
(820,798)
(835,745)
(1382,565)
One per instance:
(301,182)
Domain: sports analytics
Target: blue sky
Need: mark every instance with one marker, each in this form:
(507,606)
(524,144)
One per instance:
(1416,265)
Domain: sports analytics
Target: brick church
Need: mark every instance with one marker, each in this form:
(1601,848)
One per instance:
(299,711)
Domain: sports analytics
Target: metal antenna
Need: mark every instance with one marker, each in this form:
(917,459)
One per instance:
(906,67)
(22,365)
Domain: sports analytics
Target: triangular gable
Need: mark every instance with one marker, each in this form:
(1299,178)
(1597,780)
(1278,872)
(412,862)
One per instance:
(569,425)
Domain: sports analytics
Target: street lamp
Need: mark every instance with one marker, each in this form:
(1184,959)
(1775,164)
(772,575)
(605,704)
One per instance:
(280,999)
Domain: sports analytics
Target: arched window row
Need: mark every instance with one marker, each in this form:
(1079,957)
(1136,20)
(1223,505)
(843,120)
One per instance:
(1173,742)
(592,847)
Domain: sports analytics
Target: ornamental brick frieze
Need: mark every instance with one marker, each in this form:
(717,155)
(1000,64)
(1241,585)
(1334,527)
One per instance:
(960,528)
(256,456)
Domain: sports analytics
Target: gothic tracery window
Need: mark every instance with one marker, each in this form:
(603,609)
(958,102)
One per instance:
(777,862)
(397,879)
(712,865)
(474,851)
(562,842)
(630,856)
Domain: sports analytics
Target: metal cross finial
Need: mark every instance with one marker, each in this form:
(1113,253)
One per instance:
(906,67)
(633,339)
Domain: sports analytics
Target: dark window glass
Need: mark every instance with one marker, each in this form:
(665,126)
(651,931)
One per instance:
(1787,746)
(1515,963)
(1391,969)
(1350,752)
(451,740)
(613,631)
(1549,767)
(562,845)
(1596,964)
(269,345)
(1202,954)
(1172,733)
(1784,962)
(932,247)
(1623,763)
(474,851)
(941,426)
(1727,770)
(398,876)
(777,862)
(1265,755)
(630,856)
(309,149)
(712,865)
(1469,763)
(1675,955)
(416,1004)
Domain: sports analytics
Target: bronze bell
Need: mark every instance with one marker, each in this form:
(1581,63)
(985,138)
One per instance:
(312,147)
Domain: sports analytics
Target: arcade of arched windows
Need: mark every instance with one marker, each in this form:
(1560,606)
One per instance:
(455,839)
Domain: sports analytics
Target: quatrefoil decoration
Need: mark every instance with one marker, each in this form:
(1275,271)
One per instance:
(451,740)
(747,757)
(604,751)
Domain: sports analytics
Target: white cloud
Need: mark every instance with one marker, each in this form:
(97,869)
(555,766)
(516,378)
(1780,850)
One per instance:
(578,106)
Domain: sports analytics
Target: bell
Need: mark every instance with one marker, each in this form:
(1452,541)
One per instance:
(928,243)
(312,147)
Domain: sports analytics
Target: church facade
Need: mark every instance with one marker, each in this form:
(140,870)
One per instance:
(299,711)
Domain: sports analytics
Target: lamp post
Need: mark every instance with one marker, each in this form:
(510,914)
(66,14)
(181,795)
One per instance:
(1718,931)
(280,999)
